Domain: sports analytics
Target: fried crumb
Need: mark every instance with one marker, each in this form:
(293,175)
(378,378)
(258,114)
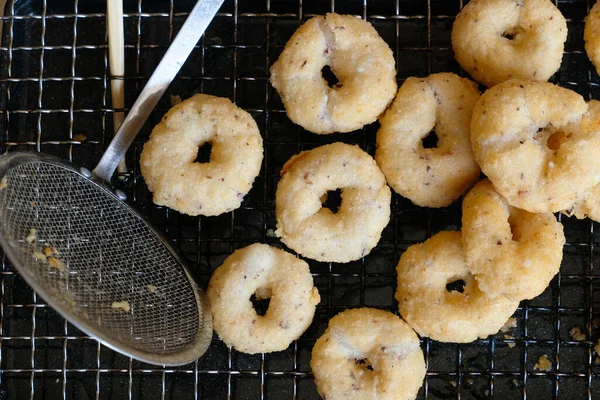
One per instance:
(175,100)
(543,363)
(576,334)
(3,183)
(597,360)
(32,236)
(271,233)
(121,305)
(515,382)
(597,347)
(80,137)
(32,204)
(511,323)
(38,255)
(56,263)
(510,344)
(50,251)
(453,383)
(151,288)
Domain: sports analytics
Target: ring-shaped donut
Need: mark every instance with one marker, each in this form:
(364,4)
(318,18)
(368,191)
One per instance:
(537,143)
(265,272)
(427,304)
(496,40)
(367,353)
(591,34)
(511,252)
(429,177)
(359,58)
(316,232)
(168,161)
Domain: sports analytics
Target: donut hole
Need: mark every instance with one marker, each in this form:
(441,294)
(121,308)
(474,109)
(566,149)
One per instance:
(511,34)
(456,285)
(556,139)
(204,153)
(364,363)
(332,200)
(430,141)
(330,78)
(260,301)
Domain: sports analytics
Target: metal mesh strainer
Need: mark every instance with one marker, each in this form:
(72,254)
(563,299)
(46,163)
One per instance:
(90,255)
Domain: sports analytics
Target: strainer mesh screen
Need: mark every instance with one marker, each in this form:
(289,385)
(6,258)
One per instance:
(101,262)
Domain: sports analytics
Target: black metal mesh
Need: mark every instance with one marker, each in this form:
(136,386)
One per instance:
(55,87)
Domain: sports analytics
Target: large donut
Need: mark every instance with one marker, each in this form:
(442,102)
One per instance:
(168,159)
(432,177)
(511,252)
(424,271)
(591,34)
(359,58)
(266,272)
(537,143)
(368,354)
(495,40)
(316,232)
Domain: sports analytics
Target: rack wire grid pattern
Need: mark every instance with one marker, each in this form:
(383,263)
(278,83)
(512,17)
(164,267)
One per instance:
(55,98)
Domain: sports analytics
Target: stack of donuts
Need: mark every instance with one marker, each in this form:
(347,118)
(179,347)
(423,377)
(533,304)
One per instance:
(538,145)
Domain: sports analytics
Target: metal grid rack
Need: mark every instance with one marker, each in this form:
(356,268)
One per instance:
(55,98)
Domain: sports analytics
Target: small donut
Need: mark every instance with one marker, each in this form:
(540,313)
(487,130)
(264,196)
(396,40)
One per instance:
(267,273)
(432,177)
(316,232)
(359,58)
(538,143)
(495,40)
(424,272)
(367,353)
(168,159)
(511,252)
(591,34)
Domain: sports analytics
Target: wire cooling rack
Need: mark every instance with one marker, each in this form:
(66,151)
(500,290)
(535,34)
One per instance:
(55,98)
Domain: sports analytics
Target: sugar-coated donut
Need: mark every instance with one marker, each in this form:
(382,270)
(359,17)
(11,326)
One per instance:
(356,54)
(591,34)
(496,40)
(367,353)
(168,159)
(424,301)
(511,252)
(318,233)
(432,177)
(266,272)
(538,143)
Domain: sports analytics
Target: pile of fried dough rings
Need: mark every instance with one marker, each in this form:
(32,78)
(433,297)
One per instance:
(538,145)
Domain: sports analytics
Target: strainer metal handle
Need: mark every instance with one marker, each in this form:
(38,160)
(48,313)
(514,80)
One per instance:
(191,31)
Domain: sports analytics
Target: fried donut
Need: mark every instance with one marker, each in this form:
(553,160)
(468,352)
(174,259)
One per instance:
(511,252)
(266,272)
(591,34)
(432,177)
(495,40)
(538,144)
(359,58)
(424,272)
(168,159)
(318,233)
(367,353)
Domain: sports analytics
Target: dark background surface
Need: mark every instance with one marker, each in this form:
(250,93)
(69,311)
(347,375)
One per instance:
(54,85)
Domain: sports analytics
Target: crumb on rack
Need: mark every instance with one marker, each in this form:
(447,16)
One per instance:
(175,100)
(543,363)
(271,233)
(121,305)
(151,288)
(3,183)
(515,382)
(511,323)
(32,236)
(510,344)
(576,334)
(56,263)
(80,137)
